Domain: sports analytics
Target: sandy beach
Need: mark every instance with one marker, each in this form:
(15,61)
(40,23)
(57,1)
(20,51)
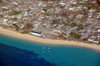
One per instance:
(47,41)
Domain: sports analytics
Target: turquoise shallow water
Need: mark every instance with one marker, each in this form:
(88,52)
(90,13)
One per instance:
(58,55)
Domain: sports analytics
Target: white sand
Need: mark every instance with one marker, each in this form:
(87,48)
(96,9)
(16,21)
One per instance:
(47,41)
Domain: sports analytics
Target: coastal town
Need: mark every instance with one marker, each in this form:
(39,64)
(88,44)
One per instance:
(76,20)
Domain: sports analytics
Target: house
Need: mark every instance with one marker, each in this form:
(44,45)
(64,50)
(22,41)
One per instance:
(61,3)
(56,32)
(4,7)
(25,13)
(98,30)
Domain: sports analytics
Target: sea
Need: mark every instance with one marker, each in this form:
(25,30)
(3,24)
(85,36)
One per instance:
(16,52)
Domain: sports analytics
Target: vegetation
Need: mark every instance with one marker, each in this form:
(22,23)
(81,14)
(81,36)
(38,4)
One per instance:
(80,26)
(84,4)
(73,24)
(45,10)
(1,16)
(15,5)
(62,36)
(25,32)
(4,9)
(86,39)
(16,26)
(69,20)
(48,7)
(64,23)
(76,35)
(14,19)
(47,14)
(16,12)
(57,21)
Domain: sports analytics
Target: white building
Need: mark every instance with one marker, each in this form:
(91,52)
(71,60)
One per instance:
(91,40)
(36,33)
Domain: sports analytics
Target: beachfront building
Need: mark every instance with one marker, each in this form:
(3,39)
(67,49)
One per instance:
(93,41)
(36,33)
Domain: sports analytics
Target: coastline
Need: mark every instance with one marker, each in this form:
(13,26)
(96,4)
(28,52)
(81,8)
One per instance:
(47,41)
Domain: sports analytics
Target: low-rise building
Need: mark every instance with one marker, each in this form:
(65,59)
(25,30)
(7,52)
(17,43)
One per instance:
(36,33)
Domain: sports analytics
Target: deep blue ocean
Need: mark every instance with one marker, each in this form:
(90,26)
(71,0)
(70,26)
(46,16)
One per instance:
(15,52)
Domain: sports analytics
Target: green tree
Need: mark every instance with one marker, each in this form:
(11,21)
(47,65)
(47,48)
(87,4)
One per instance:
(76,35)
(16,12)
(16,26)
(57,21)
(80,26)
(73,24)
(1,16)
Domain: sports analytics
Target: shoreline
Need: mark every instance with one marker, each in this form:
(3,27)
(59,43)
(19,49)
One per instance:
(31,38)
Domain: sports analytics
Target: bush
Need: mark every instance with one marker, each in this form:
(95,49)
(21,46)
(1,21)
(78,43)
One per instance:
(1,16)
(25,32)
(48,7)
(80,26)
(16,12)
(16,26)
(64,23)
(73,24)
(75,35)
(57,21)
(47,14)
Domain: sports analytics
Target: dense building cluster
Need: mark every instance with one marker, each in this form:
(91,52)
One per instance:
(55,19)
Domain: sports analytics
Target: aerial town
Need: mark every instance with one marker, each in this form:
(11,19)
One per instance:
(77,20)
